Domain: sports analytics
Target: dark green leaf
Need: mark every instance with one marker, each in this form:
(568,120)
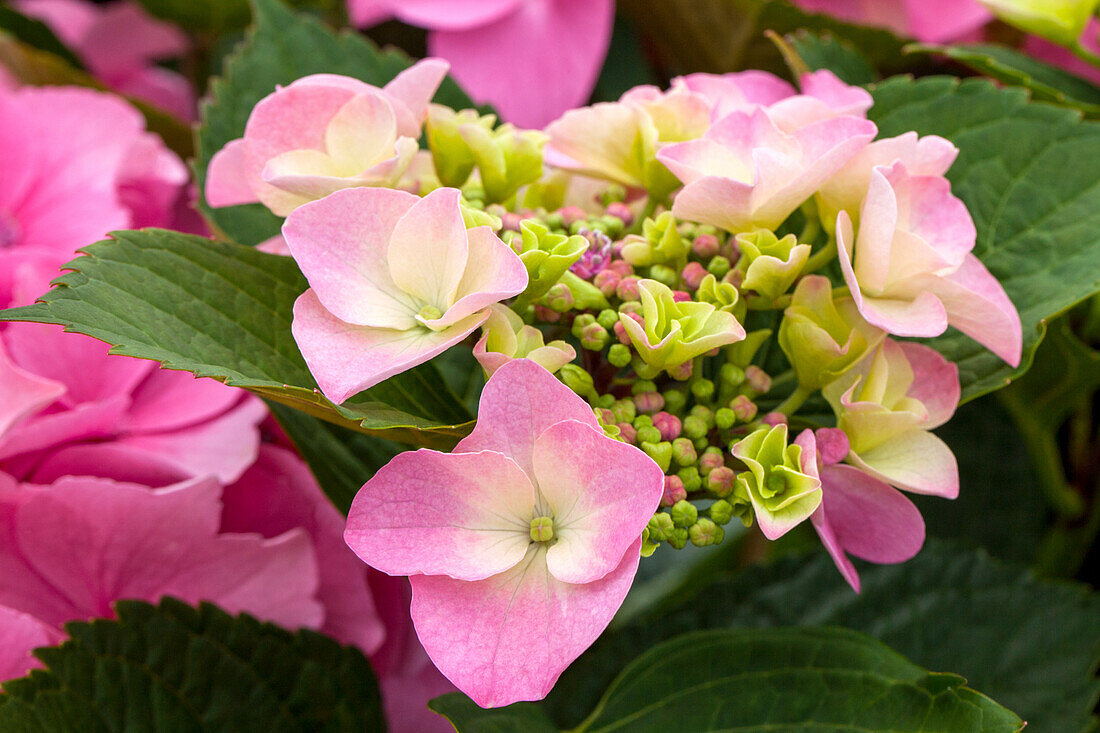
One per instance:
(283,46)
(201,15)
(36,34)
(341,460)
(1047,83)
(825,51)
(1022,173)
(172,667)
(223,310)
(1031,645)
(465,715)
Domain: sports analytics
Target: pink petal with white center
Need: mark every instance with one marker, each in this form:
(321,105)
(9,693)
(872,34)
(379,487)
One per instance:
(464,515)
(878,225)
(870,519)
(507,638)
(842,99)
(227,184)
(361,131)
(346,359)
(602,492)
(977,305)
(935,382)
(341,244)
(494,272)
(916,461)
(737,92)
(22,393)
(309,175)
(601,141)
(428,251)
(519,403)
(921,316)
(412,90)
(496,62)
(19,634)
(277,494)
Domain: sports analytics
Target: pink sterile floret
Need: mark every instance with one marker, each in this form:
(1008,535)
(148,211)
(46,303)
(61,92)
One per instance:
(394,280)
(69,550)
(521,544)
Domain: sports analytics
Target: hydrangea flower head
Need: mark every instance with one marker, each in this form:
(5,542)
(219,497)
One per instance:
(394,280)
(932,21)
(321,134)
(521,544)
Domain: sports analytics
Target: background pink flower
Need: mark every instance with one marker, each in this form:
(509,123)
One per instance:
(933,21)
(531,59)
(120,44)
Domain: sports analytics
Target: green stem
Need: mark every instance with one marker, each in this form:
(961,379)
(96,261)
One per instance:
(792,403)
(757,303)
(1046,457)
(650,209)
(822,257)
(811,230)
(1083,53)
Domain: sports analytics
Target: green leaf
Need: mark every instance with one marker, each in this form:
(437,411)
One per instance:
(727,35)
(826,51)
(813,679)
(1047,83)
(283,46)
(1031,645)
(36,34)
(223,310)
(342,460)
(172,667)
(36,67)
(1022,173)
(204,16)
(465,715)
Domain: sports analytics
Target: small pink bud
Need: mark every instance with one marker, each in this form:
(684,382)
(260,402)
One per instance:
(775,418)
(649,402)
(682,371)
(624,268)
(572,214)
(628,288)
(544,314)
(711,460)
(757,379)
(731,251)
(705,246)
(605,416)
(720,481)
(621,211)
(832,445)
(607,280)
(743,408)
(734,277)
(693,274)
(674,491)
(510,222)
(628,432)
(679,296)
(669,425)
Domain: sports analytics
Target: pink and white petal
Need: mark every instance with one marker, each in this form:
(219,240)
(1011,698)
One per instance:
(870,519)
(19,634)
(518,404)
(601,492)
(834,547)
(842,99)
(346,359)
(451,16)
(720,202)
(412,90)
(361,131)
(878,223)
(22,393)
(689,161)
(428,250)
(977,305)
(464,515)
(935,382)
(226,181)
(493,273)
(599,141)
(341,243)
(277,494)
(509,637)
(916,461)
(497,61)
(224,446)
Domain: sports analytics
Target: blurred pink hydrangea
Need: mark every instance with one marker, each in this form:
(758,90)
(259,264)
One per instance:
(531,59)
(120,44)
(932,21)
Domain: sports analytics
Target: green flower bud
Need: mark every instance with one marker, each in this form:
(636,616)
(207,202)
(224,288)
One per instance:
(683,452)
(474,217)
(683,513)
(695,427)
(547,257)
(674,332)
(451,155)
(720,481)
(718,266)
(642,421)
(643,385)
(675,400)
(660,243)
(619,355)
(705,532)
(679,538)
(724,418)
(649,434)
(691,478)
(731,376)
(703,389)
(608,318)
(771,265)
(661,453)
(664,275)
(578,380)
(823,338)
(660,526)
(506,158)
(722,296)
(721,512)
(623,410)
(782,495)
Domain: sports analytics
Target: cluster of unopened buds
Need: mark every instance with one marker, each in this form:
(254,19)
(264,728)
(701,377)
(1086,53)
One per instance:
(709,271)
